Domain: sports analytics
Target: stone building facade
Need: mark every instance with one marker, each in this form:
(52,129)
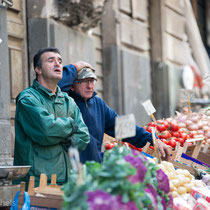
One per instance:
(136,46)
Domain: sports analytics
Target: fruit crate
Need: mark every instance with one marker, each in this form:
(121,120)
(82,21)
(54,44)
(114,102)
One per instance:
(185,157)
(45,196)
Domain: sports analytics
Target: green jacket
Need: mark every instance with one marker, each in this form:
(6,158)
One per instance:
(45,125)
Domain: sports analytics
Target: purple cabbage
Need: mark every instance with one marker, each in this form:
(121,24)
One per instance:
(126,206)
(99,200)
(152,192)
(141,170)
(163,182)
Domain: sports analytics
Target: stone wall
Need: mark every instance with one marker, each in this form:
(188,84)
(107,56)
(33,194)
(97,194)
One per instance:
(5,126)
(46,28)
(125,29)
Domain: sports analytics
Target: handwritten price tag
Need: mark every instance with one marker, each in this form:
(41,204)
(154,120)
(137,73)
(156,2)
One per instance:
(125,126)
(150,109)
(186,95)
(206,80)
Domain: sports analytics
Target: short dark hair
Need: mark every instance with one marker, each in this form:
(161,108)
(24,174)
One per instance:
(37,61)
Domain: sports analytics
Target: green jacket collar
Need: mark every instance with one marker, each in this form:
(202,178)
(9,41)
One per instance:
(36,85)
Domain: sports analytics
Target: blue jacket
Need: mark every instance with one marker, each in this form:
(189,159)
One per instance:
(99,118)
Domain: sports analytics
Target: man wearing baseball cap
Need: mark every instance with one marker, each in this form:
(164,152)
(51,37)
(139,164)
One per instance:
(97,115)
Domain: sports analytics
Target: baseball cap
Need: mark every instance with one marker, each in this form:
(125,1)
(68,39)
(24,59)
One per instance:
(86,73)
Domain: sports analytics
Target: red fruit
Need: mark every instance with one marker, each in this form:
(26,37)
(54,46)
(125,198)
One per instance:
(145,127)
(149,129)
(172,143)
(181,141)
(191,135)
(151,124)
(165,135)
(175,134)
(109,146)
(174,127)
(184,136)
(151,147)
(161,127)
(166,124)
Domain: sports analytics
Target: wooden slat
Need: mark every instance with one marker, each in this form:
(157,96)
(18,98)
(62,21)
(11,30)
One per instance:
(50,201)
(31,185)
(42,182)
(203,157)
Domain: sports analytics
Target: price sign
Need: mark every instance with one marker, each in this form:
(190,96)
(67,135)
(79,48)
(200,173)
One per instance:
(74,158)
(125,126)
(206,80)
(150,109)
(186,95)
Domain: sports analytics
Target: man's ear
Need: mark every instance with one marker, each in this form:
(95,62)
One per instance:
(38,70)
(72,87)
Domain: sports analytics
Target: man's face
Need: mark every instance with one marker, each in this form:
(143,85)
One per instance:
(52,67)
(84,87)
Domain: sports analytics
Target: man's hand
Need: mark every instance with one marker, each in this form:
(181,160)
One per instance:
(164,150)
(81,64)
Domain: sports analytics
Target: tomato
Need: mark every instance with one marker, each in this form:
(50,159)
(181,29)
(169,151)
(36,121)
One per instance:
(145,127)
(165,135)
(191,135)
(109,146)
(174,127)
(160,127)
(175,134)
(181,141)
(172,143)
(190,144)
(149,129)
(151,147)
(151,124)
(166,124)
(184,136)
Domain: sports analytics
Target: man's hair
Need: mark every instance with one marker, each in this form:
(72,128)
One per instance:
(37,58)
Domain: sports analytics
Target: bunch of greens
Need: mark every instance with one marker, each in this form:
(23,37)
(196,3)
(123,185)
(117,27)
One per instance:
(125,180)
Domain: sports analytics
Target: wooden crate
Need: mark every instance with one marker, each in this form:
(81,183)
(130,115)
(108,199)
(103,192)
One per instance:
(47,196)
(176,155)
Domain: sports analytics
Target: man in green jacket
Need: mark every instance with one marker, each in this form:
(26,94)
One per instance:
(47,121)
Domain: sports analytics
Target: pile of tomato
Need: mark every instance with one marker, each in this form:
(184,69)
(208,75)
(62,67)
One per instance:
(169,132)
(109,146)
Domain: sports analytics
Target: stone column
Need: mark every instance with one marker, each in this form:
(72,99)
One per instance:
(5,126)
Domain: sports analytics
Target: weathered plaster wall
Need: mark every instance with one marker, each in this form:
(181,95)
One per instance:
(125,29)
(5,126)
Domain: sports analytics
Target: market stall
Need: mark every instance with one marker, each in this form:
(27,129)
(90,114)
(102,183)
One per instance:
(136,178)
